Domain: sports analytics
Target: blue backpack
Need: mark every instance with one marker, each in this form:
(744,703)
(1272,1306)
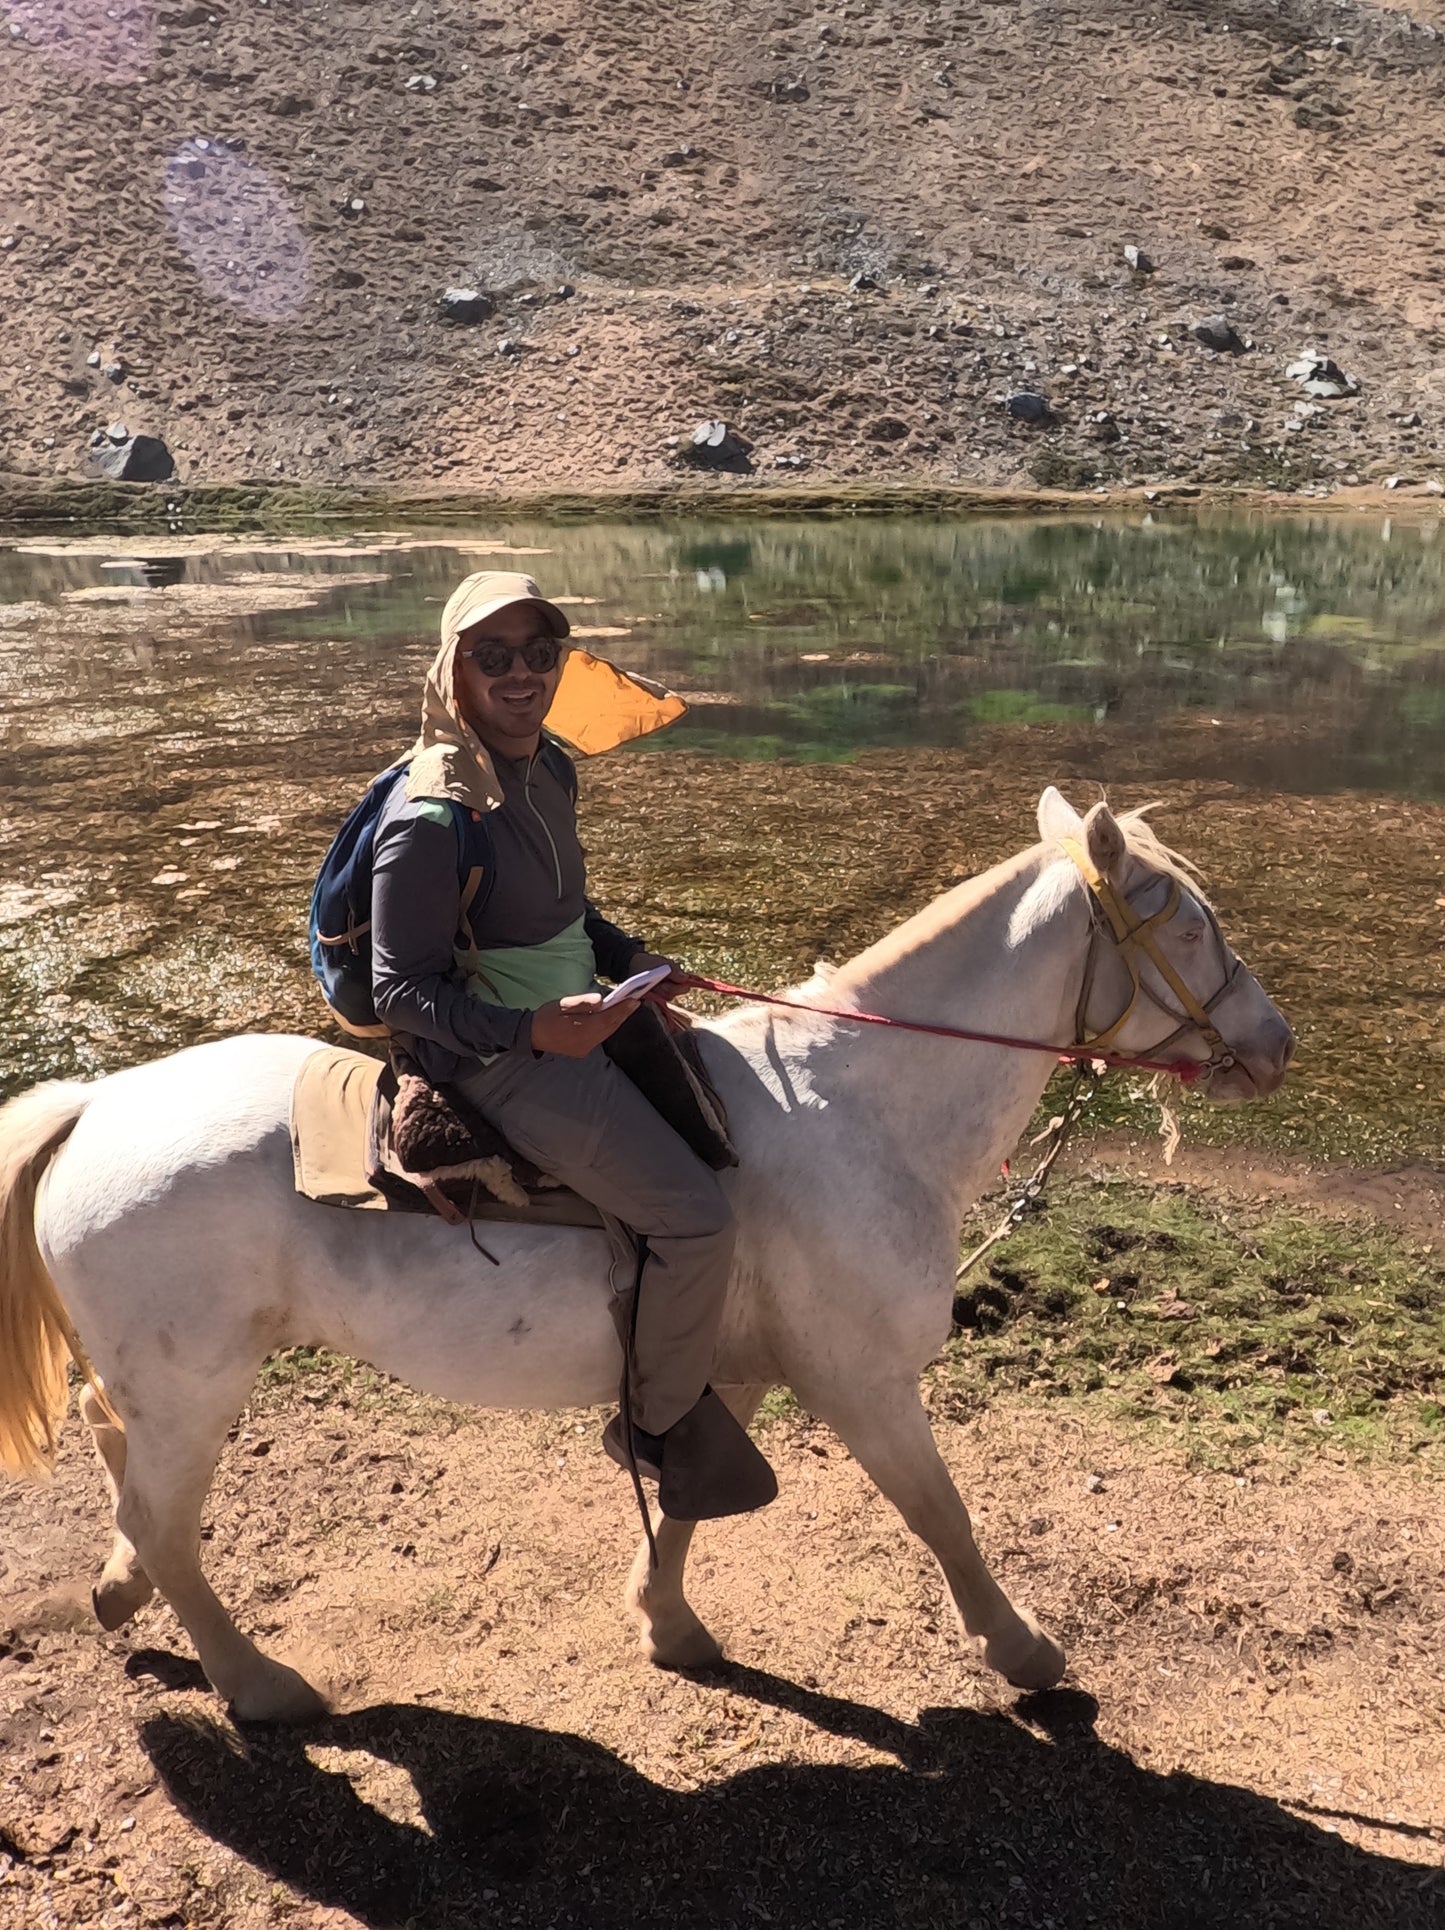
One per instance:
(340,922)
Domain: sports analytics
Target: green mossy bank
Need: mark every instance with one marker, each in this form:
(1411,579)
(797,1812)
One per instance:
(1229,1325)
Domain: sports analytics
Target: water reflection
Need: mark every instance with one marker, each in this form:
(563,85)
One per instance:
(1310,650)
(153,571)
(180,731)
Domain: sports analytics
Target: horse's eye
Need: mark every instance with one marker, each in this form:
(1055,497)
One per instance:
(1193,935)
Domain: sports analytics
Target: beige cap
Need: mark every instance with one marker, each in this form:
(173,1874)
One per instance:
(485,592)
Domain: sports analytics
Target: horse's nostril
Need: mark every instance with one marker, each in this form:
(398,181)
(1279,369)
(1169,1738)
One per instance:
(1286,1050)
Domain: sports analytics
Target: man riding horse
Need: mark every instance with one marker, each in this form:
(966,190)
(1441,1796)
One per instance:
(492,993)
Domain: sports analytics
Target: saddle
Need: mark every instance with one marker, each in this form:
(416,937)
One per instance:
(376,1135)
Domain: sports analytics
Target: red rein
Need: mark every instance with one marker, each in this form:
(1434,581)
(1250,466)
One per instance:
(1185,1070)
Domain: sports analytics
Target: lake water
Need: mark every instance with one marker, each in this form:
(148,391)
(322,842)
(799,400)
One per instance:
(875,706)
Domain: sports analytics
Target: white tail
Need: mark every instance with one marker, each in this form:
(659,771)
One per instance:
(37,1340)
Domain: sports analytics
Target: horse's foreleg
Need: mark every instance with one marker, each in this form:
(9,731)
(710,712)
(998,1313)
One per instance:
(672,1635)
(168,1469)
(124,1585)
(887,1430)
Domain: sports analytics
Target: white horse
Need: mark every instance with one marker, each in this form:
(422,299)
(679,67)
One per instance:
(150,1223)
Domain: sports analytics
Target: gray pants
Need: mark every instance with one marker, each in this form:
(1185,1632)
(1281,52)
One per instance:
(587,1124)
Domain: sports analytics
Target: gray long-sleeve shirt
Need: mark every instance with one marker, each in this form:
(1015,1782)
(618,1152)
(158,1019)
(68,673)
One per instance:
(538,889)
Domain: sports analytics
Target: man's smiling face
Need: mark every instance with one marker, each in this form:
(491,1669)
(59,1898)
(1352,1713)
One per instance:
(506,709)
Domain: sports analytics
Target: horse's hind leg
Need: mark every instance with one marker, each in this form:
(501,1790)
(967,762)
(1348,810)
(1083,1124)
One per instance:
(886,1429)
(124,1585)
(672,1635)
(168,1467)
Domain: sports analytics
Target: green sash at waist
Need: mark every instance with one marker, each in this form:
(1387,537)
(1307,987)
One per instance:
(526,976)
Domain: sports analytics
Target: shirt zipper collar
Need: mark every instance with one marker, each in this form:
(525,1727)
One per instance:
(546,828)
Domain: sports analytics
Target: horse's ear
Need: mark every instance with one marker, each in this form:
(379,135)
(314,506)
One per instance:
(1104,842)
(1058,818)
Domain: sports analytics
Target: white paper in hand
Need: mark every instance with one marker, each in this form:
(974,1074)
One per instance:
(635,986)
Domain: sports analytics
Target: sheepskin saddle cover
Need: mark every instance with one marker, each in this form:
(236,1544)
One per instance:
(429,1136)
(433,1133)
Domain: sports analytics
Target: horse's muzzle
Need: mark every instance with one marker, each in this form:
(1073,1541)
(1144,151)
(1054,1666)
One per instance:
(1259,1067)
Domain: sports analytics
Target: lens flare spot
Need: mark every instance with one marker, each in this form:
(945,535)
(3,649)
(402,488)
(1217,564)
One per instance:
(238,230)
(108,40)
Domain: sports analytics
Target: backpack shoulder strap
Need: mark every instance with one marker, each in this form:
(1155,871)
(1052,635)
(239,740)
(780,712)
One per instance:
(560,765)
(476,873)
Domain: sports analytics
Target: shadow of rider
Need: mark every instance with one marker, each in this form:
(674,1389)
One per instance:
(1024,1818)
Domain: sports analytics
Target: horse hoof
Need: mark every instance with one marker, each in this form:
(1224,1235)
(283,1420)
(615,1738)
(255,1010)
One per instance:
(690,1648)
(1026,1658)
(115,1602)
(280,1696)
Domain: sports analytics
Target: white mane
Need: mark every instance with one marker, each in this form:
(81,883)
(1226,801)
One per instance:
(1058,881)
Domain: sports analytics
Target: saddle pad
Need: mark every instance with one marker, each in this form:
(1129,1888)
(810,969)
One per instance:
(330,1111)
(331,1108)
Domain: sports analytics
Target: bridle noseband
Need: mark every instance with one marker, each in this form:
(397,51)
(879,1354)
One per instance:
(1113,917)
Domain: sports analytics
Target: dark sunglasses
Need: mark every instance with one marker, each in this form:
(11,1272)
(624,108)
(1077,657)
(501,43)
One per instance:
(539,654)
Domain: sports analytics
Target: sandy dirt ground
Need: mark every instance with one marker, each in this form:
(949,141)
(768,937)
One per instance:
(851,231)
(1252,1729)
(1409,1198)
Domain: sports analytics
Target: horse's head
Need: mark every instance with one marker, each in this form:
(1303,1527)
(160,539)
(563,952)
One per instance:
(1160,977)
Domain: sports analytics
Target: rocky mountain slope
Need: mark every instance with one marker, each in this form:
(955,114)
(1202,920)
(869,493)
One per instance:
(852,231)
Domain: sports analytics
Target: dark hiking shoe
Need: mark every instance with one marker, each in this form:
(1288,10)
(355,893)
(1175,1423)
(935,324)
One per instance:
(647,1448)
(705,1465)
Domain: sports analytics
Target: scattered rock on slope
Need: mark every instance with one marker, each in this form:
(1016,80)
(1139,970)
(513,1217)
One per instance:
(466,305)
(132,458)
(1318,375)
(1024,405)
(714,445)
(1217,333)
(608,157)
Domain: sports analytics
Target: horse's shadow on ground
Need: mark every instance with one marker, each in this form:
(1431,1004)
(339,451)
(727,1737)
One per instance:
(981,1819)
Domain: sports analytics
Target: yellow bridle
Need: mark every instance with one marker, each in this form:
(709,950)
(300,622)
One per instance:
(1132,935)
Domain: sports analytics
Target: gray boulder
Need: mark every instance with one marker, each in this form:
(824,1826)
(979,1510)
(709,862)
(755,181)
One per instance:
(465,305)
(1217,333)
(1026,406)
(1317,375)
(714,445)
(135,459)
